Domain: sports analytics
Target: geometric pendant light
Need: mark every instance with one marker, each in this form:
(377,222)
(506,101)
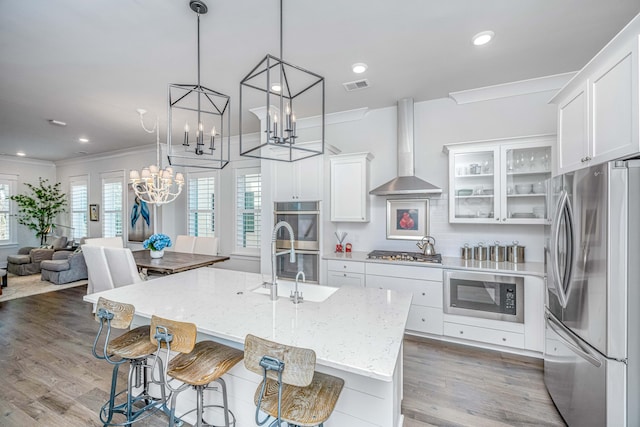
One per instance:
(198,129)
(272,98)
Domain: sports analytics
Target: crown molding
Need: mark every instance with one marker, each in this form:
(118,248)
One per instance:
(140,149)
(27,161)
(506,90)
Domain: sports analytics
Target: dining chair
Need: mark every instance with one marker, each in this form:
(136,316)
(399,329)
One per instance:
(184,244)
(206,246)
(97,269)
(122,266)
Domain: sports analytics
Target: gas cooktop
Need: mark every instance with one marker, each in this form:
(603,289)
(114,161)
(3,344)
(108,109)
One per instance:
(405,256)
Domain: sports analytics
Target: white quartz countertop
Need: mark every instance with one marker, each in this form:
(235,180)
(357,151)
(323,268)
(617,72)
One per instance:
(355,329)
(451,263)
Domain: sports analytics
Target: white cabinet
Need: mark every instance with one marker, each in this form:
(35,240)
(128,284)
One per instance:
(350,187)
(598,109)
(298,181)
(573,130)
(345,273)
(425,283)
(501,181)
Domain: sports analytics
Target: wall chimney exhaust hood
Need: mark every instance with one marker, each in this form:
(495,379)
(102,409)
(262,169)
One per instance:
(406,182)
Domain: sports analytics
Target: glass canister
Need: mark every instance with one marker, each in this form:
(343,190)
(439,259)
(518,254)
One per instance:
(515,252)
(466,252)
(480,252)
(497,252)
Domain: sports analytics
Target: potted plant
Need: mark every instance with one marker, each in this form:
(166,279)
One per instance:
(156,244)
(38,208)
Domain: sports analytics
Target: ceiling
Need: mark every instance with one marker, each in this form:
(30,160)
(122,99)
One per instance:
(93,63)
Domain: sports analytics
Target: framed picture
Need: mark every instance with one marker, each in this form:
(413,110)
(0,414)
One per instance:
(94,212)
(140,218)
(407,219)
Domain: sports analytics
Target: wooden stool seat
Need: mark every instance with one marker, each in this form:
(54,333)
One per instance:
(303,406)
(134,348)
(133,344)
(307,397)
(207,362)
(196,366)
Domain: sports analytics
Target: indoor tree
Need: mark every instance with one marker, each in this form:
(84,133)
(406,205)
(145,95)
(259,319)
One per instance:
(38,208)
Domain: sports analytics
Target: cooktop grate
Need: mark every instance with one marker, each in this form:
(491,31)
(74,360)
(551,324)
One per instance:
(405,256)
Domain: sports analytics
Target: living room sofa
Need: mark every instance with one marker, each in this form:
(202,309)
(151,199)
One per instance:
(64,267)
(27,260)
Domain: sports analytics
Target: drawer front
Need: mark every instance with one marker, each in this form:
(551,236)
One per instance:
(489,336)
(408,271)
(425,319)
(345,266)
(345,279)
(425,293)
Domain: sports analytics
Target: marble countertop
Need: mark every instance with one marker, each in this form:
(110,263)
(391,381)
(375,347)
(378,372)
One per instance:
(525,268)
(357,330)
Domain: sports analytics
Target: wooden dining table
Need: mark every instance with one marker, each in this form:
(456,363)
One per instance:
(174,262)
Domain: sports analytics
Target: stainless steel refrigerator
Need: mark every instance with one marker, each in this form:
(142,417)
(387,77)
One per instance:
(592,336)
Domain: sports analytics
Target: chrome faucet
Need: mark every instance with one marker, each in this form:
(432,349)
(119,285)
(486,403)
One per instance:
(274,254)
(296,296)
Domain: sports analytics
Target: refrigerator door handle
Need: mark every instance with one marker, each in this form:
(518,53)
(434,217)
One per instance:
(575,345)
(559,282)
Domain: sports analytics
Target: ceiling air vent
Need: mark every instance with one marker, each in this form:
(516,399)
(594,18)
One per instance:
(357,85)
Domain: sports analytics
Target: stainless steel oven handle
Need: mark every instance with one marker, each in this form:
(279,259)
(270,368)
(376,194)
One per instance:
(555,240)
(577,347)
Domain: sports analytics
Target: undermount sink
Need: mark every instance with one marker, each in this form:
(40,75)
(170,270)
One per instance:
(313,293)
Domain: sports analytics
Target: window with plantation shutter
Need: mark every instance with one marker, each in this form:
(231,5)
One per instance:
(78,205)
(201,203)
(248,210)
(8,230)
(112,204)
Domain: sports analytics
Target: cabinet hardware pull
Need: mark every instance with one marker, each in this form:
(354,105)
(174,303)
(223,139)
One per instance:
(504,339)
(424,293)
(345,274)
(497,219)
(461,332)
(504,219)
(423,319)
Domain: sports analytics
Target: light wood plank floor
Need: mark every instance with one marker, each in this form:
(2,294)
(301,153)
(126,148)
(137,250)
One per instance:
(49,377)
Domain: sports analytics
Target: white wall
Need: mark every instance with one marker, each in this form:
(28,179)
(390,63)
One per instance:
(439,122)
(28,171)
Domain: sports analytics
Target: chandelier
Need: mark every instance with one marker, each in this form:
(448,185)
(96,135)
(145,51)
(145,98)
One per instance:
(200,118)
(154,185)
(283,86)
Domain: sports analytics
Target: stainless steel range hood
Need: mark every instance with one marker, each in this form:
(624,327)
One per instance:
(406,182)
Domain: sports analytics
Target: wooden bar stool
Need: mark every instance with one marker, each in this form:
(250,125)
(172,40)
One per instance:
(290,390)
(197,365)
(134,347)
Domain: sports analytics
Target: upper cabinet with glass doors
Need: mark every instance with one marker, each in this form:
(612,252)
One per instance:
(500,181)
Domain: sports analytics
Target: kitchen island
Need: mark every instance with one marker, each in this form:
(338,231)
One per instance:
(356,334)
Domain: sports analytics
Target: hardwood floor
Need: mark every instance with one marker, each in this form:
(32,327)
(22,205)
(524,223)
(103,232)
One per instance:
(49,377)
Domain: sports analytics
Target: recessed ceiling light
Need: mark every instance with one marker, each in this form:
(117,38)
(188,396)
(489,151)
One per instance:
(359,68)
(83,140)
(276,87)
(20,153)
(57,122)
(483,37)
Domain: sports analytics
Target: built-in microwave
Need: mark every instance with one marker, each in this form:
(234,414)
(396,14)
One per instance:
(485,295)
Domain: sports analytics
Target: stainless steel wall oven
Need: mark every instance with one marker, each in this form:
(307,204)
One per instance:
(484,295)
(304,218)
